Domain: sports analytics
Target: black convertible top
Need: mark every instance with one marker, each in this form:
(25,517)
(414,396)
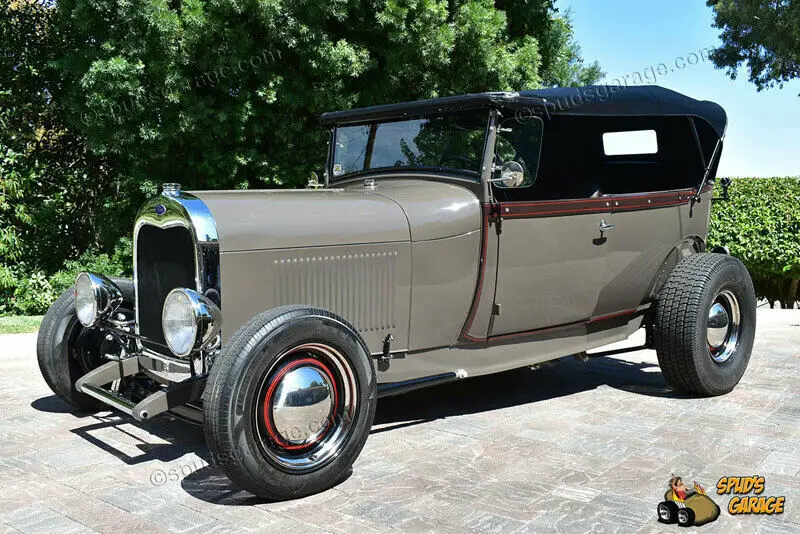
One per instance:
(596,100)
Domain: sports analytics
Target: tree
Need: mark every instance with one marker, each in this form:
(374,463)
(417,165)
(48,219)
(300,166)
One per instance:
(101,101)
(229,92)
(764,34)
(56,196)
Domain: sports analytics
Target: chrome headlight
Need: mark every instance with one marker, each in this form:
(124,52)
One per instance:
(95,297)
(190,321)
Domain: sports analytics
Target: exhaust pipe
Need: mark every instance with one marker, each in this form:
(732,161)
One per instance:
(397,388)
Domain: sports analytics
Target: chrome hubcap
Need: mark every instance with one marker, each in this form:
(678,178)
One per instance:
(722,328)
(718,322)
(302,404)
(307,403)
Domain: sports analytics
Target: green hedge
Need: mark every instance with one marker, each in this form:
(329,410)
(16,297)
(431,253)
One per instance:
(760,223)
(25,291)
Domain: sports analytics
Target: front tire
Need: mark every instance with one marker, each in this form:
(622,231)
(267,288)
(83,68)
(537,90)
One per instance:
(685,517)
(290,402)
(66,350)
(667,512)
(704,327)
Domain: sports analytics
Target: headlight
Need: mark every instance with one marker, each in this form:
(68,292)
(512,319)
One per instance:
(190,321)
(95,297)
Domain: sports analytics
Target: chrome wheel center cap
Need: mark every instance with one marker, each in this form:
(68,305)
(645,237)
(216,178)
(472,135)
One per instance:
(302,405)
(718,322)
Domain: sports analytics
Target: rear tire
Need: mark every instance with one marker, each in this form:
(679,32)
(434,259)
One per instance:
(66,350)
(273,437)
(700,354)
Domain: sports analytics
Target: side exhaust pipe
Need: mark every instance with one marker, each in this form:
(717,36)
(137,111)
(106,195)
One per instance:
(398,388)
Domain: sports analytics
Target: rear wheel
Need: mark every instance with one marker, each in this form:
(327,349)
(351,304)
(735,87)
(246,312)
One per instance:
(705,319)
(290,402)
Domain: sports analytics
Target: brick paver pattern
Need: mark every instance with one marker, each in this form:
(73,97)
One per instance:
(570,447)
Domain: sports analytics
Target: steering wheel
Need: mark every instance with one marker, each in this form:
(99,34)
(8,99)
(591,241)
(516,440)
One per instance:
(473,163)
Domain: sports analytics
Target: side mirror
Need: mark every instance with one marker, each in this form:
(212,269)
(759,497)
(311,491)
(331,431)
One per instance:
(511,175)
(725,183)
(313,182)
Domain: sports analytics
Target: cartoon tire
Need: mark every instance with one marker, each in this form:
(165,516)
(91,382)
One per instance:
(668,512)
(705,320)
(685,517)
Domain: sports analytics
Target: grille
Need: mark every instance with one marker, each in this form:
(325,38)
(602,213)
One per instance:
(165,259)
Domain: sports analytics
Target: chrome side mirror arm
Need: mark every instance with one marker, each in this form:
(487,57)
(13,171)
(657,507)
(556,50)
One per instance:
(725,183)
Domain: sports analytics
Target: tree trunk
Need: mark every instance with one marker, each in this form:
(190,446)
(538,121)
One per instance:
(788,293)
(793,296)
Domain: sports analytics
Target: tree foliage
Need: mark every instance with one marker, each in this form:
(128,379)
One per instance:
(101,101)
(229,92)
(761,226)
(56,197)
(763,34)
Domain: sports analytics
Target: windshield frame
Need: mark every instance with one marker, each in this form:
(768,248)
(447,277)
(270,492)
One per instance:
(473,176)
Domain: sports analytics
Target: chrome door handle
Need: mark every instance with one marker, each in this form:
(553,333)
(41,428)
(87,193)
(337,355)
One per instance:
(605,227)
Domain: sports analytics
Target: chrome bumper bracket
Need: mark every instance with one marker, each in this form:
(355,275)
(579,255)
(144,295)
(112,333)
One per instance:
(161,401)
(92,383)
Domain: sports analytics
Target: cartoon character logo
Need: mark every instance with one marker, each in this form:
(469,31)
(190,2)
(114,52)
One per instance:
(687,507)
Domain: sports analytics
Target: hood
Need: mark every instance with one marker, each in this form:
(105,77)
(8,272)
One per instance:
(394,210)
(277,219)
(435,210)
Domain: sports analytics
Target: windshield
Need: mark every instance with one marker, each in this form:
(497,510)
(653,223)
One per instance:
(453,141)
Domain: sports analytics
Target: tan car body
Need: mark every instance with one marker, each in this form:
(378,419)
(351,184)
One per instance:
(422,260)
(452,237)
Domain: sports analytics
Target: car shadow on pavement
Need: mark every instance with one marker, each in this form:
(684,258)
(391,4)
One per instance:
(54,404)
(554,379)
(210,484)
(180,437)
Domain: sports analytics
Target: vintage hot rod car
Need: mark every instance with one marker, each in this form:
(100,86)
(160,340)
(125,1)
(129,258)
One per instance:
(452,237)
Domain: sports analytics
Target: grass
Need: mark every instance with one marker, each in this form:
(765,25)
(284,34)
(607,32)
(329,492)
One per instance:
(20,324)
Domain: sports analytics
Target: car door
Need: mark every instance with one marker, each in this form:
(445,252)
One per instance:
(646,230)
(650,175)
(551,263)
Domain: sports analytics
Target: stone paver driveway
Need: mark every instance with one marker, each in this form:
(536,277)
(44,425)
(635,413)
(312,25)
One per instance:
(572,447)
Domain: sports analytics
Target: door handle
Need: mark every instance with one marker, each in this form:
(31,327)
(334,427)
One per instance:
(605,227)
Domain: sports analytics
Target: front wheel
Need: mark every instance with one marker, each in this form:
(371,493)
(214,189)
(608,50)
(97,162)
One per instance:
(668,512)
(705,321)
(685,517)
(290,402)
(66,350)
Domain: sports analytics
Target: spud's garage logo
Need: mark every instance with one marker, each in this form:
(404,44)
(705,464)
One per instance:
(741,503)
(686,506)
